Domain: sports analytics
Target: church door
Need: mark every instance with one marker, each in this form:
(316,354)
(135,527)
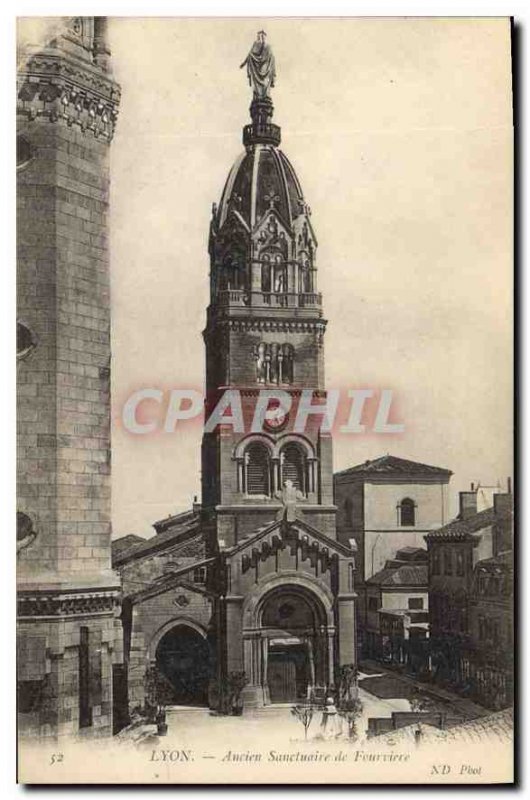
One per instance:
(288,674)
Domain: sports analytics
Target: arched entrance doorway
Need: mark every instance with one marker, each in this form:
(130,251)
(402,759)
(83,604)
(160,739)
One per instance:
(183,656)
(294,635)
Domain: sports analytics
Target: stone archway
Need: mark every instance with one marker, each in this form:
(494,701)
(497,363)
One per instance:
(289,644)
(183,656)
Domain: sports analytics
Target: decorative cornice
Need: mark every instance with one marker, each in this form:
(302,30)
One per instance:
(59,88)
(54,605)
(274,325)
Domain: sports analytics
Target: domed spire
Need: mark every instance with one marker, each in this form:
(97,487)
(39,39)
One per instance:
(262,245)
(261,73)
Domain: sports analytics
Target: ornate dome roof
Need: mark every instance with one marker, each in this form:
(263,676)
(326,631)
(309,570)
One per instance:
(261,179)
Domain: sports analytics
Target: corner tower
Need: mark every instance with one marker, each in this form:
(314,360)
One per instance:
(67,104)
(283,584)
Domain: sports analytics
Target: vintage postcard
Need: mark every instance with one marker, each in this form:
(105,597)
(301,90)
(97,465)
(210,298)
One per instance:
(264,382)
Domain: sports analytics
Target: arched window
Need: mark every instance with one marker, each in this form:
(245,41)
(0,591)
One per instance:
(24,152)
(257,469)
(280,275)
(287,370)
(293,466)
(266,274)
(407,513)
(274,362)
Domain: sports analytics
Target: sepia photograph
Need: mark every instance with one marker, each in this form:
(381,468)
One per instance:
(265,400)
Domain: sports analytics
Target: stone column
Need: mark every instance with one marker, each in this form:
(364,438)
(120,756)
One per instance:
(311,658)
(347,649)
(331,660)
(233,633)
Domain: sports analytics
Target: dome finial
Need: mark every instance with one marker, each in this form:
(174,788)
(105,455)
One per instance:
(261,67)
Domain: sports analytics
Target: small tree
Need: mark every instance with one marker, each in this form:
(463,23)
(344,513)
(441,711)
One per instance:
(304,713)
(418,703)
(158,694)
(349,706)
(350,710)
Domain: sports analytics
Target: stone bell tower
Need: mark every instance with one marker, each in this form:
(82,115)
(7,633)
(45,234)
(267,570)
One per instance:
(284,585)
(67,103)
(265,330)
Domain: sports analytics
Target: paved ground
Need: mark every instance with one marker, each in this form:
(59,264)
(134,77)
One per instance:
(381,692)
(194,727)
(383,682)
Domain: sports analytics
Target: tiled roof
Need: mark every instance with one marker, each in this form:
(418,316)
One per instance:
(462,528)
(392,465)
(502,561)
(174,519)
(404,575)
(183,532)
(490,729)
(119,546)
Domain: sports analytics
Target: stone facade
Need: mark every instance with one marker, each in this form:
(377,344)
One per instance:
(66,109)
(385,505)
(163,590)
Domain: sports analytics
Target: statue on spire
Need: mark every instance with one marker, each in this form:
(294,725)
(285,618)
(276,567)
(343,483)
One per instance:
(261,68)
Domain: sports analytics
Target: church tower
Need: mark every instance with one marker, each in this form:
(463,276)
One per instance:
(267,488)
(67,104)
(265,331)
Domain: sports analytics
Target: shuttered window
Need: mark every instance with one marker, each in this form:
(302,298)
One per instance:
(257,469)
(294,466)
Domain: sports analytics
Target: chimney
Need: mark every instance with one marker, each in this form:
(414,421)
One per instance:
(502,532)
(468,504)
(196,507)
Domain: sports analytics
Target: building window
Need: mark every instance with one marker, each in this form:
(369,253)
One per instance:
(24,152)
(293,464)
(407,513)
(448,562)
(373,604)
(26,340)
(274,363)
(26,533)
(435,561)
(257,469)
(199,575)
(416,603)
(460,563)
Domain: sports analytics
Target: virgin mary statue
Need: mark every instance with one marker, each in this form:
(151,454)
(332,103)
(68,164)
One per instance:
(261,69)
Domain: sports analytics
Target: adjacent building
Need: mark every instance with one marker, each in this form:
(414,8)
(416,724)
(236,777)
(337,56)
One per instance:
(68,596)
(397,617)
(471,600)
(385,505)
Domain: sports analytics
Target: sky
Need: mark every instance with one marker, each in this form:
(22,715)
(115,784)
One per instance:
(400,133)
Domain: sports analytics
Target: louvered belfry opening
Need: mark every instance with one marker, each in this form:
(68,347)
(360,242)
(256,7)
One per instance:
(293,463)
(257,469)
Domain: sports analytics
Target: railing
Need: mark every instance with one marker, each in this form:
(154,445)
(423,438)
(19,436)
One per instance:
(267,133)
(241,298)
